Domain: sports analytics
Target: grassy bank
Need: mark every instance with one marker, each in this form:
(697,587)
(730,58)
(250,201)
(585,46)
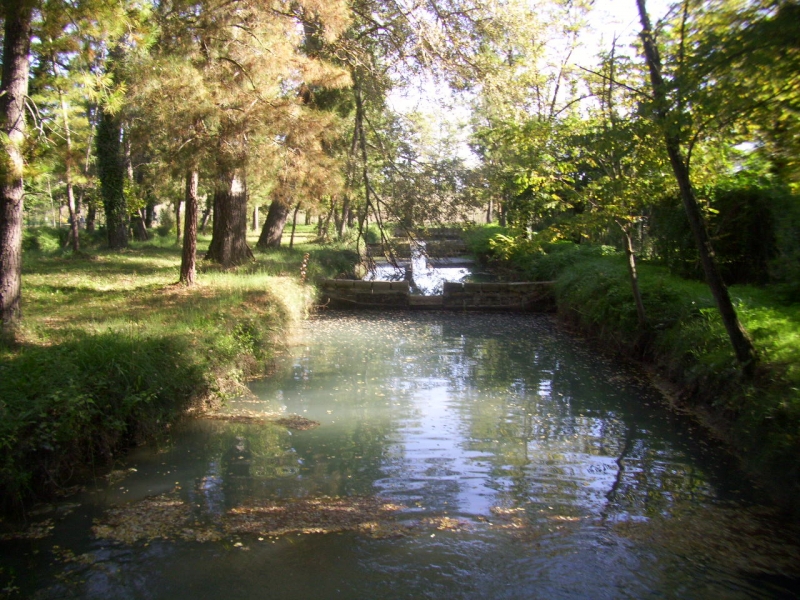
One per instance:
(686,341)
(111,350)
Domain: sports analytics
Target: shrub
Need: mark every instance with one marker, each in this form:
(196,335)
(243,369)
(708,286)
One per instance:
(166,222)
(79,401)
(47,240)
(746,228)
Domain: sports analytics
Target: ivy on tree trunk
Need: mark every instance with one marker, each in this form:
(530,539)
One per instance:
(111,171)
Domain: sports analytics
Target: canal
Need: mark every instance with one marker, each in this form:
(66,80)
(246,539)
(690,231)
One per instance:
(419,455)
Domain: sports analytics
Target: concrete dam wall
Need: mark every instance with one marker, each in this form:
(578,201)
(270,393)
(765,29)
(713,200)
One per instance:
(536,296)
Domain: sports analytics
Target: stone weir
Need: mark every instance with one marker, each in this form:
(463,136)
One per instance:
(536,296)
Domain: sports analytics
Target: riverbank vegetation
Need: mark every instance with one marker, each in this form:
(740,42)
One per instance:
(684,340)
(113,350)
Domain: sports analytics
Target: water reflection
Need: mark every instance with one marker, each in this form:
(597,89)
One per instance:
(563,473)
(474,412)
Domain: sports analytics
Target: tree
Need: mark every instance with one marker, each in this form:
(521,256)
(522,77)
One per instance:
(626,165)
(668,117)
(61,93)
(526,101)
(111,172)
(18,16)
(189,254)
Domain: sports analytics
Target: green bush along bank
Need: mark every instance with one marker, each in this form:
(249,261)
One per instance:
(112,351)
(685,339)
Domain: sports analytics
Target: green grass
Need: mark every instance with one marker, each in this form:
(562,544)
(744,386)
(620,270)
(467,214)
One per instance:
(111,349)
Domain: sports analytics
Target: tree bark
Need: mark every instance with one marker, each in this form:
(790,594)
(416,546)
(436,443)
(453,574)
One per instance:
(139,228)
(13,90)
(137,219)
(339,218)
(72,202)
(91,217)
(189,256)
(111,171)
(178,220)
(271,233)
(742,345)
(149,212)
(294,225)
(633,275)
(206,214)
(229,232)
(325,227)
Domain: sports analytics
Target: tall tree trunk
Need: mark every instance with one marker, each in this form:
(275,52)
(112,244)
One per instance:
(254,226)
(13,90)
(189,256)
(111,171)
(294,225)
(206,215)
(137,219)
(743,347)
(139,228)
(339,217)
(490,211)
(149,212)
(72,202)
(633,274)
(271,233)
(229,233)
(91,210)
(325,227)
(91,217)
(178,220)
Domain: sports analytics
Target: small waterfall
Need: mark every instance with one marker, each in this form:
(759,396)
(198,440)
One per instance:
(419,260)
(424,279)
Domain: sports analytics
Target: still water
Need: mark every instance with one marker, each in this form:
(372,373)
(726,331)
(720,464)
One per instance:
(456,456)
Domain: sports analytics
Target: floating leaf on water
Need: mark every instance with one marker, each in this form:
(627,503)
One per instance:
(167,517)
(297,422)
(34,531)
(446,523)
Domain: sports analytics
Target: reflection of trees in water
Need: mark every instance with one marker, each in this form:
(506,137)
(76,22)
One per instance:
(652,482)
(241,461)
(550,423)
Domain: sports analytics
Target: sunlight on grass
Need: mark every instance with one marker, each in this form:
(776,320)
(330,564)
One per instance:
(112,347)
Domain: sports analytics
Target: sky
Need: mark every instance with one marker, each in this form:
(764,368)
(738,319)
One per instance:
(607,19)
(621,18)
